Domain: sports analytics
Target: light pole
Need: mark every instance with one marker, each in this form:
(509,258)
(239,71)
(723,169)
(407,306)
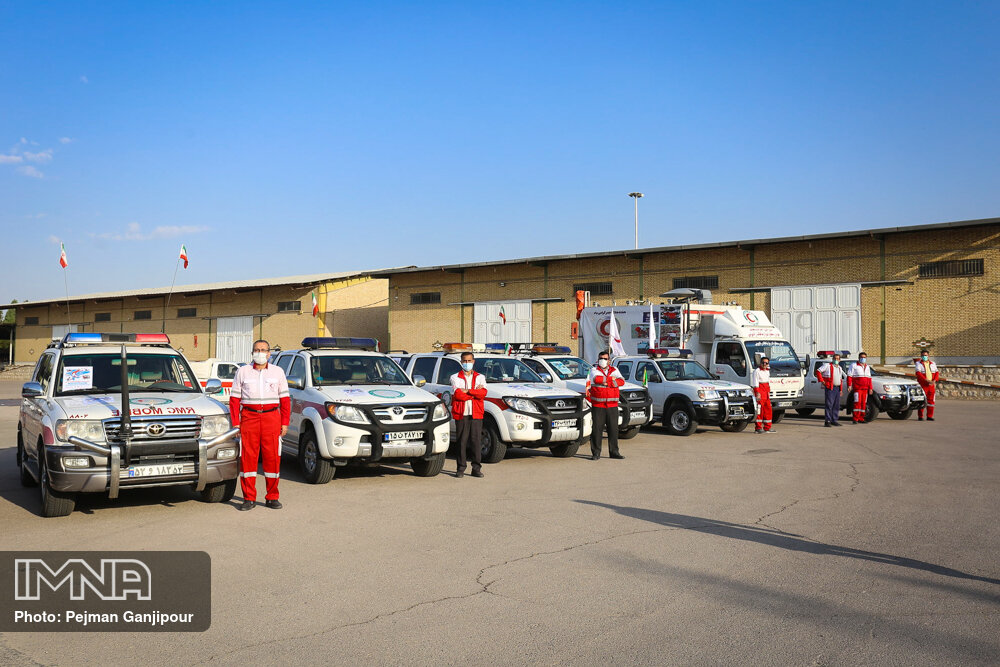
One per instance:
(635,196)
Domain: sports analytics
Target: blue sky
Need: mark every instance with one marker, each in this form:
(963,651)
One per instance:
(284,138)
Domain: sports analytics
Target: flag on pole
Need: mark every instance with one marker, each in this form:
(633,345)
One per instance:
(184,255)
(508,349)
(63,262)
(503,315)
(315,305)
(615,338)
(652,328)
(645,376)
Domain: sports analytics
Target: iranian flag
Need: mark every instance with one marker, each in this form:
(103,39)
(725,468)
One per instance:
(63,262)
(184,255)
(315,305)
(503,315)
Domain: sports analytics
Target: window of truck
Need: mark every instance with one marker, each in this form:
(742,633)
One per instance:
(570,368)
(784,362)
(102,374)
(505,370)
(348,370)
(680,369)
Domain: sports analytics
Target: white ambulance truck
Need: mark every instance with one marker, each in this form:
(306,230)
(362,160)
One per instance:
(726,339)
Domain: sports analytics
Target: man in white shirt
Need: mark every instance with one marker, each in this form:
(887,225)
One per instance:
(831,376)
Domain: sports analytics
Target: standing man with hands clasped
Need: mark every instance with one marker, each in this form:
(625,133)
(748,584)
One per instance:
(831,376)
(927,376)
(260,406)
(468,389)
(859,380)
(760,381)
(602,390)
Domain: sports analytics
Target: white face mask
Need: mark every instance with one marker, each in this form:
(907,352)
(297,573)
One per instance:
(603,363)
(260,358)
(467,366)
(863,360)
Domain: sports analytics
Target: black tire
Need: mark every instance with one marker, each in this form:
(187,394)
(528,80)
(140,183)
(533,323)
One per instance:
(22,464)
(734,426)
(565,450)
(628,433)
(494,449)
(680,419)
(54,503)
(428,467)
(905,414)
(219,492)
(804,412)
(315,468)
(871,411)
(777,416)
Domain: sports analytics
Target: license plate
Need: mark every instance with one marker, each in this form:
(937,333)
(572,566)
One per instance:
(404,435)
(564,423)
(156,470)
(784,404)
(736,410)
(637,415)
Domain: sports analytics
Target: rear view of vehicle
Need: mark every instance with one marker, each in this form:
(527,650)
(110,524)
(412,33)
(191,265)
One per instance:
(109,412)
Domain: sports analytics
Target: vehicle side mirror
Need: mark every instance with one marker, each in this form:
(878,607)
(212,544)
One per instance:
(757,356)
(213,386)
(296,383)
(714,376)
(31,390)
(545,377)
(805,364)
(419,380)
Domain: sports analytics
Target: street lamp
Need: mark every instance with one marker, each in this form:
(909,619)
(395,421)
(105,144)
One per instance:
(635,196)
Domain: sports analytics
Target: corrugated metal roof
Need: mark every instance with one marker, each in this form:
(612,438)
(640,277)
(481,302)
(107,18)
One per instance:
(698,246)
(310,279)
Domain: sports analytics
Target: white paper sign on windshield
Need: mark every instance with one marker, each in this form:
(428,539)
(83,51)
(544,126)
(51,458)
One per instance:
(77,377)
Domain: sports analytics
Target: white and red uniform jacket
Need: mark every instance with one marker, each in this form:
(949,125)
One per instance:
(467,395)
(603,386)
(927,372)
(831,375)
(260,391)
(860,377)
(760,380)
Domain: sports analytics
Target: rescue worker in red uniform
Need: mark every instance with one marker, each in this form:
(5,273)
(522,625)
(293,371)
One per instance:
(831,376)
(468,392)
(927,376)
(603,391)
(760,380)
(260,406)
(859,380)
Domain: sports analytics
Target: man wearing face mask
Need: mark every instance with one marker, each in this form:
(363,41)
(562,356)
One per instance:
(468,389)
(831,376)
(260,406)
(602,390)
(860,381)
(760,381)
(927,376)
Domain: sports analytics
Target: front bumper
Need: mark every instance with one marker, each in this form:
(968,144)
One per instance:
(901,402)
(713,413)
(534,430)
(349,440)
(627,409)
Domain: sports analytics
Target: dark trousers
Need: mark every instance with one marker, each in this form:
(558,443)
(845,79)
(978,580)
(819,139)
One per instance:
(604,417)
(470,436)
(832,414)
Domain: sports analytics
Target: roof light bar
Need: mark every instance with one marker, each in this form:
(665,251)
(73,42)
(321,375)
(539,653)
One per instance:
(829,353)
(675,352)
(551,349)
(451,348)
(328,342)
(78,338)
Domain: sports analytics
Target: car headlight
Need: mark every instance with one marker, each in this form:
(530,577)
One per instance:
(749,392)
(214,425)
(347,413)
(440,412)
(708,394)
(522,405)
(892,389)
(88,429)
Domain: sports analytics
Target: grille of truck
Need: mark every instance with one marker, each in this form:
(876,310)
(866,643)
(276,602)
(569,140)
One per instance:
(187,427)
(561,406)
(400,414)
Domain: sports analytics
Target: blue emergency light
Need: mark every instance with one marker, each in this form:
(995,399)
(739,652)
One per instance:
(96,338)
(326,342)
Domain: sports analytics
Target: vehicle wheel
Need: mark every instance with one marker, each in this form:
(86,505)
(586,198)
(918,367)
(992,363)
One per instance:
(565,450)
(777,416)
(219,492)
(494,449)
(22,464)
(804,412)
(315,468)
(871,411)
(54,503)
(735,427)
(428,467)
(905,414)
(680,420)
(628,433)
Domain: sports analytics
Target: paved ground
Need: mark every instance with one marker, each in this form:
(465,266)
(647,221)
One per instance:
(873,544)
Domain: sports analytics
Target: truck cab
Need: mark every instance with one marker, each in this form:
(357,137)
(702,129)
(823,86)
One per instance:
(556,364)
(733,360)
(521,410)
(685,394)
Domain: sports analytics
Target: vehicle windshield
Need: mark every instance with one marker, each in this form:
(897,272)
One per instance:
(683,369)
(505,370)
(784,362)
(344,370)
(847,363)
(570,368)
(102,374)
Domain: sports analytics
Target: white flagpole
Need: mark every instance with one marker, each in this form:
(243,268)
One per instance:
(163,325)
(69,322)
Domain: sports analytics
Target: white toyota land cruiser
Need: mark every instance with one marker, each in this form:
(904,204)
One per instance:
(74,437)
(351,403)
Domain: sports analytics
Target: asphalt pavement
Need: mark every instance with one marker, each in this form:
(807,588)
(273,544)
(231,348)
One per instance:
(875,544)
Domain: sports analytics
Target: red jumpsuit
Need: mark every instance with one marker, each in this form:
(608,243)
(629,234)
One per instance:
(927,376)
(860,380)
(259,404)
(760,380)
